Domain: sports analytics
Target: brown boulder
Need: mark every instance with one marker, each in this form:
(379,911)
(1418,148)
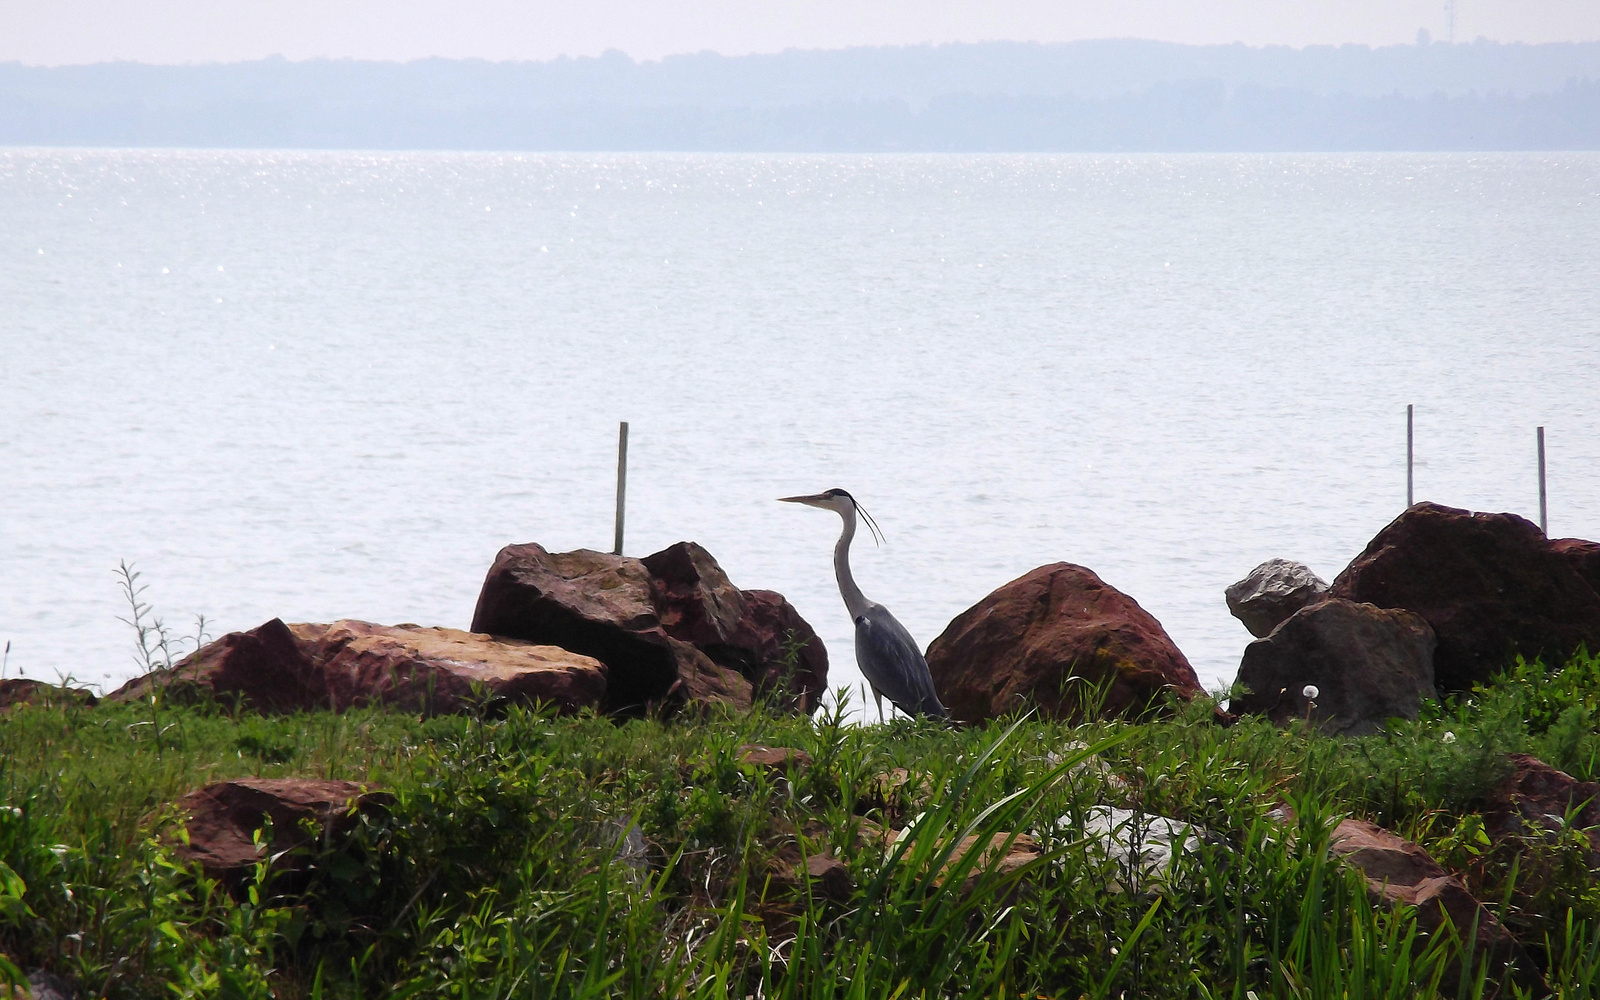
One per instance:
(1399,871)
(1060,639)
(1536,798)
(777,761)
(1491,585)
(445,669)
(264,669)
(780,652)
(670,626)
(288,668)
(22,691)
(1272,592)
(754,632)
(1583,555)
(703,681)
(1367,664)
(590,602)
(693,598)
(220,821)
(1000,854)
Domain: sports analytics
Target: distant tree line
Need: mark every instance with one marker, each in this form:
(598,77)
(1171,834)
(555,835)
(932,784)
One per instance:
(948,98)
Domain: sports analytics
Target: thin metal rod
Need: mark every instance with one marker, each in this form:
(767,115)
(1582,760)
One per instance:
(1544,520)
(1409,439)
(622,481)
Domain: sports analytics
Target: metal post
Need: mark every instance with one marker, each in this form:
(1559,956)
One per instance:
(1409,438)
(622,481)
(1544,522)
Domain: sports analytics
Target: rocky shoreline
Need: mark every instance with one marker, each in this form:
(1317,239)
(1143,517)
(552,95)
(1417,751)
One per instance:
(1440,600)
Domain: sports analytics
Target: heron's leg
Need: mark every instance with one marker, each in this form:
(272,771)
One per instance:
(879,699)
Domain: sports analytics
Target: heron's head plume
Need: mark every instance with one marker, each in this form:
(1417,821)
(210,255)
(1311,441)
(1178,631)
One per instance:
(841,503)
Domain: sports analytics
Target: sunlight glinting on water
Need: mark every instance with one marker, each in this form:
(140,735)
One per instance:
(325,385)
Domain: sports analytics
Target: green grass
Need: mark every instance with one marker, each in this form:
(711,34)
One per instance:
(497,871)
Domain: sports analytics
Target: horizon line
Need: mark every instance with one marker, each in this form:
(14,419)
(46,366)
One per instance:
(614,53)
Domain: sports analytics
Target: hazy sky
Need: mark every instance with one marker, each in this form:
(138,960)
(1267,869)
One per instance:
(174,31)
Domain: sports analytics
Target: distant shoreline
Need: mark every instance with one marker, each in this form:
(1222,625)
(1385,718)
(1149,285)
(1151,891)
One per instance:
(1098,96)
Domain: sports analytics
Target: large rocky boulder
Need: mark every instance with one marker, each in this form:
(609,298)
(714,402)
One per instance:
(1272,592)
(1490,585)
(670,627)
(1368,664)
(1062,640)
(780,652)
(1399,871)
(1536,800)
(1583,555)
(589,602)
(757,633)
(220,822)
(277,667)
(24,691)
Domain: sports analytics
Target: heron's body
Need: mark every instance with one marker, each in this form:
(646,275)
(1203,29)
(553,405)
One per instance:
(888,656)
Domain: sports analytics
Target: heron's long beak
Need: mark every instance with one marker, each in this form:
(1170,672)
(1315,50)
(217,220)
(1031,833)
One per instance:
(815,500)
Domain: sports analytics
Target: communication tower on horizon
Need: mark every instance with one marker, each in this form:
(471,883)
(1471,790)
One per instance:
(1450,21)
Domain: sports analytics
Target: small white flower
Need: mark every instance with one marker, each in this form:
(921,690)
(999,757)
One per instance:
(1310,691)
(1448,737)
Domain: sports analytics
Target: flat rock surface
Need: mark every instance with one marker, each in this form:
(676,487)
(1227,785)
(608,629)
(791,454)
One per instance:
(1062,640)
(277,667)
(445,669)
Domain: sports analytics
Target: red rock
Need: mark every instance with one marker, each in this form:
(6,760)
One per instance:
(755,632)
(999,854)
(289,668)
(704,682)
(693,599)
(264,669)
(1490,585)
(780,652)
(671,626)
(1368,664)
(221,820)
(774,760)
(1399,871)
(437,669)
(22,691)
(1583,555)
(830,876)
(1018,648)
(1537,798)
(590,602)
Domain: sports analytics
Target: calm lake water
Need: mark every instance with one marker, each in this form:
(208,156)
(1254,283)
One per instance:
(324,385)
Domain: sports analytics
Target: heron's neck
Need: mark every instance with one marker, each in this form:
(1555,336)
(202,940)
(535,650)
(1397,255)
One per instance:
(854,601)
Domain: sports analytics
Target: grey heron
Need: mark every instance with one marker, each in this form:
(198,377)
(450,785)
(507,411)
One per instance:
(889,658)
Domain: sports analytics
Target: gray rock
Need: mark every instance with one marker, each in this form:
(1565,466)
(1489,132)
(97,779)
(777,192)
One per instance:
(1366,664)
(1272,592)
(44,985)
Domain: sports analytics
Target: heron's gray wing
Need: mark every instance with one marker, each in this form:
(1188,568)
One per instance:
(892,663)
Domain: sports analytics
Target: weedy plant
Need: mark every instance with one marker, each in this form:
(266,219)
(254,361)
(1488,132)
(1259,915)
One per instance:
(528,855)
